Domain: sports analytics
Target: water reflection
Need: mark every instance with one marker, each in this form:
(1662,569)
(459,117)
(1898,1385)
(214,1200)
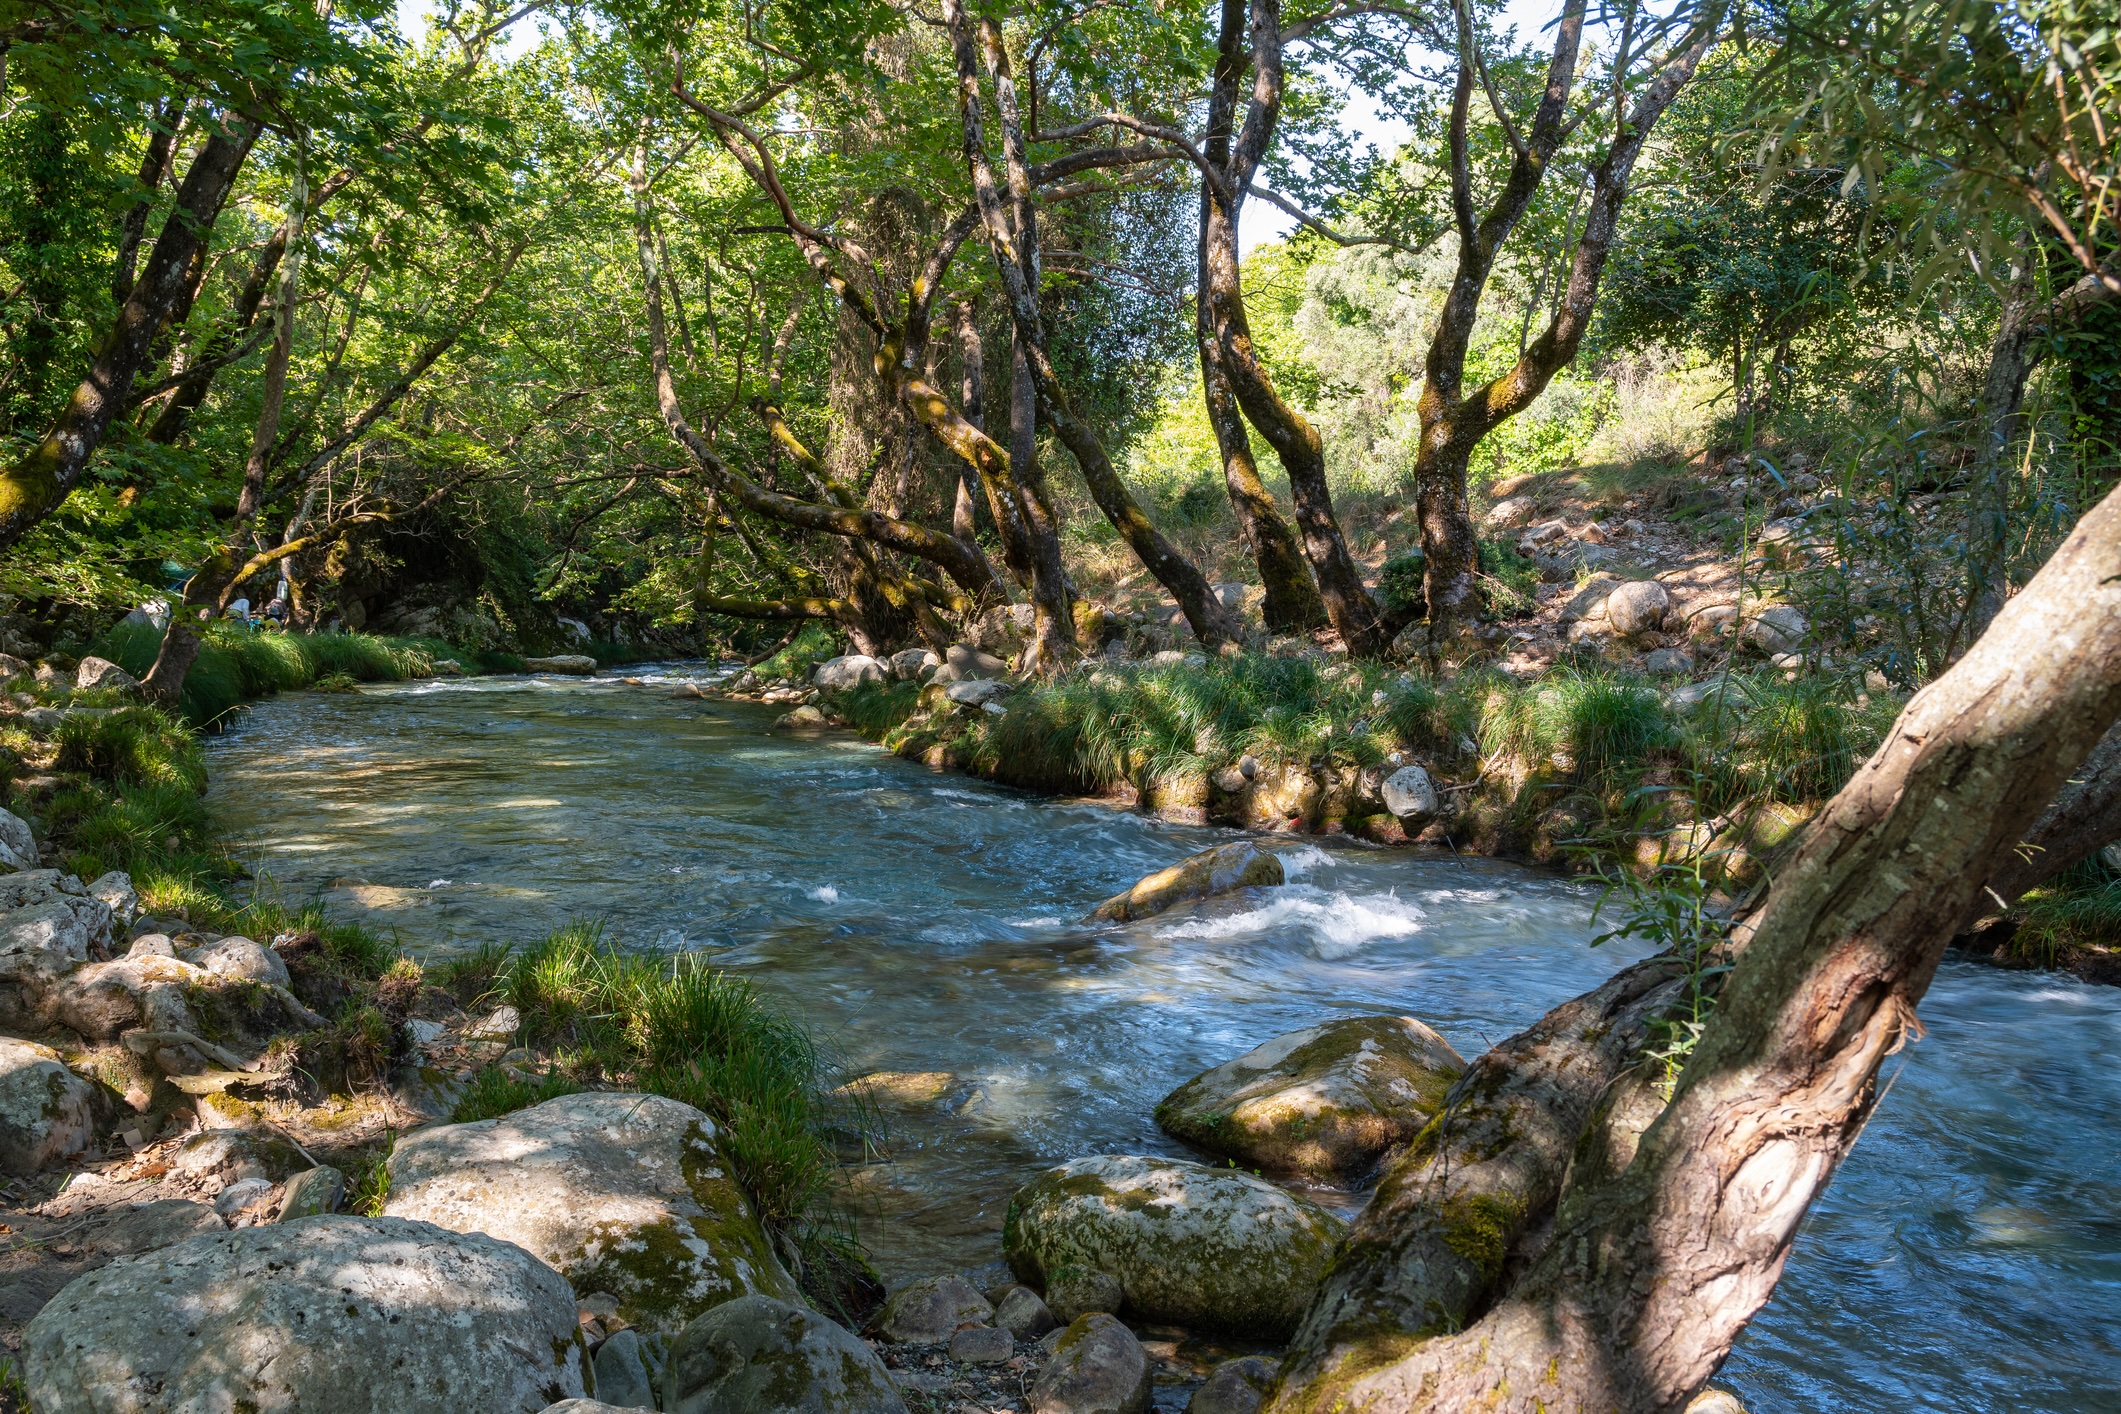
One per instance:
(1969,1257)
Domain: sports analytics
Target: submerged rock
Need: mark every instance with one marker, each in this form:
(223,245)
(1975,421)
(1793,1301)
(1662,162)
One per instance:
(333,1315)
(1325,1103)
(1098,1367)
(572,664)
(804,718)
(1238,865)
(621,1193)
(47,1113)
(761,1356)
(1213,1249)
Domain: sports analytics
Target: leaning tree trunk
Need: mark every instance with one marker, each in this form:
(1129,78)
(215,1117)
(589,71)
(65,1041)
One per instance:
(1663,1248)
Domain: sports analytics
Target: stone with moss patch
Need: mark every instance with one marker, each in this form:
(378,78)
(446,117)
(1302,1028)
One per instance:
(1326,1103)
(756,1354)
(621,1193)
(1238,865)
(1213,1249)
(47,1113)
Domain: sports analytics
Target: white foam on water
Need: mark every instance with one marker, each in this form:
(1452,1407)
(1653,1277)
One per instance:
(1337,923)
(1298,863)
(825,893)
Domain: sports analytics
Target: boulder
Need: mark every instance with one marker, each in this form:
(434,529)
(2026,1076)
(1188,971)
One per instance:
(1778,628)
(95,672)
(1098,1367)
(147,992)
(852,670)
(1237,865)
(1023,1315)
(978,692)
(1235,1387)
(336,1315)
(1410,794)
(801,719)
(1589,602)
(1214,1249)
(595,1406)
(577,632)
(242,959)
(1075,1290)
(47,1113)
(572,664)
(51,916)
(908,664)
(963,663)
(1326,1103)
(1511,513)
(931,1310)
(620,1193)
(152,1226)
(1639,606)
(115,892)
(12,667)
(757,1355)
(312,1193)
(18,847)
(622,1375)
(1668,663)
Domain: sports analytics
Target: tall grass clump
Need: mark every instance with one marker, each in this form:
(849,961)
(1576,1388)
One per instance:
(1794,742)
(131,746)
(237,663)
(2078,907)
(706,1038)
(1596,725)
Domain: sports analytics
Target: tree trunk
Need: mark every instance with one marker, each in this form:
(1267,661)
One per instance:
(1659,1256)
(2002,423)
(156,165)
(274,396)
(1053,644)
(33,487)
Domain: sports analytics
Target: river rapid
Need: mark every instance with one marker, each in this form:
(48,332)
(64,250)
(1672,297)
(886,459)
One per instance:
(1968,1256)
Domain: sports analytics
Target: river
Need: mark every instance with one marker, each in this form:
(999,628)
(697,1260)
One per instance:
(1968,1257)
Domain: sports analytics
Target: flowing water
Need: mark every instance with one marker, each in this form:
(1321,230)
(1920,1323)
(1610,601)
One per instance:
(1968,1257)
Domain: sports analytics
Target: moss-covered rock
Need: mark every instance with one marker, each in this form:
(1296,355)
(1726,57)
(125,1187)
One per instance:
(1209,1248)
(47,1113)
(1238,865)
(1326,1103)
(756,1354)
(1098,1367)
(621,1193)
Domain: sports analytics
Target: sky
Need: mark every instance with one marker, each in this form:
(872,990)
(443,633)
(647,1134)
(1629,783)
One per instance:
(1261,221)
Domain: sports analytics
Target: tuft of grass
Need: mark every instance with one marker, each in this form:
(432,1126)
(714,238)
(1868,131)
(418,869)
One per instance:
(131,746)
(1794,742)
(470,978)
(2080,907)
(703,1037)
(1594,725)
(493,1092)
(873,708)
(237,663)
(368,1186)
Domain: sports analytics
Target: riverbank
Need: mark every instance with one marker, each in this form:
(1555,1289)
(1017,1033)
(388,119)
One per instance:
(1584,766)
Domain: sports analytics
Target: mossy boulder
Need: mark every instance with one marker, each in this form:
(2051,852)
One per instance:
(1213,1249)
(760,1356)
(619,1192)
(931,1310)
(1326,1103)
(327,1315)
(47,1113)
(1098,1367)
(1238,865)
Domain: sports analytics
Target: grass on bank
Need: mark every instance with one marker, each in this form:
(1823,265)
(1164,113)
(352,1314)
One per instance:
(237,663)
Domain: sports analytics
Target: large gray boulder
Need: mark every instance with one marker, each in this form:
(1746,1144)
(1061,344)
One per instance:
(116,892)
(1779,628)
(1639,606)
(621,1193)
(141,990)
(908,663)
(1410,794)
(1214,1249)
(95,672)
(1235,1387)
(760,1356)
(47,1113)
(1238,865)
(18,847)
(962,663)
(1326,1103)
(579,665)
(1098,1367)
(329,1315)
(52,917)
(850,671)
(241,959)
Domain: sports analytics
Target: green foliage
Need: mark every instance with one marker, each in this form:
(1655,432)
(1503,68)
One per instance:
(812,645)
(1595,724)
(873,708)
(137,746)
(2079,907)
(1789,741)
(236,663)
(368,1184)
(1669,907)
(470,978)
(493,1092)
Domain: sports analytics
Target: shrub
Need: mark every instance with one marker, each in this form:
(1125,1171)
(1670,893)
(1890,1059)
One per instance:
(812,645)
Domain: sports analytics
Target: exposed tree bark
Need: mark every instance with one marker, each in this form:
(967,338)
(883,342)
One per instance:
(1292,603)
(972,357)
(156,166)
(274,396)
(1011,231)
(1453,420)
(1354,613)
(1662,1249)
(34,486)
